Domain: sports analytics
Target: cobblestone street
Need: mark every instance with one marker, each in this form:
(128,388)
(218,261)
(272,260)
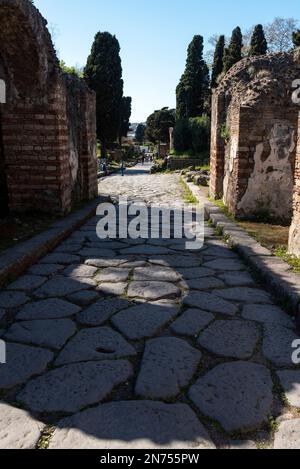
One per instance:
(143,344)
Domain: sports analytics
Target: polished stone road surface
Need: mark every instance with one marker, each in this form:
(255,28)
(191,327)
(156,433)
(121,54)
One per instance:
(143,344)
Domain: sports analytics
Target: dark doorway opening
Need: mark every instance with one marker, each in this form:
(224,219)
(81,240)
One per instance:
(4,207)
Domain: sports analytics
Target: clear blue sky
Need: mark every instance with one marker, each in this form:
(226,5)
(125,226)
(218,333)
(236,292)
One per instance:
(153,34)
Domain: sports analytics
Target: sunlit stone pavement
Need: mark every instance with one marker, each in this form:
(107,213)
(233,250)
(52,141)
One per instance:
(143,344)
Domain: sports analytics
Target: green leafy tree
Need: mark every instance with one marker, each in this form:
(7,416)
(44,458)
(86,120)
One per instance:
(103,73)
(218,64)
(258,45)
(140,133)
(76,70)
(125,117)
(200,134)
(233,53)
(192,135)
(158,125)
(296,38)
(193,89)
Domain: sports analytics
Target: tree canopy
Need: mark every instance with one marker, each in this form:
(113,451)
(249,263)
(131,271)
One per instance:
(103,73)
(140,133)
(233,53)
(218,64)
(158,125)
(258,45)
(193,89)
(296,38)
(125,116)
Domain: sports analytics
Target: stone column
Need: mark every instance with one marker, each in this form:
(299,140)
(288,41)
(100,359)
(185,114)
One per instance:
(294,241)
(171,130)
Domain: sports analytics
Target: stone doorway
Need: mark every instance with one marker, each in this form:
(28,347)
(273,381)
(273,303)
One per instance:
(3,182)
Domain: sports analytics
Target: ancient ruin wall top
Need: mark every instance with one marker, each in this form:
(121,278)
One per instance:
(255,80)
(24,33)
(27,52)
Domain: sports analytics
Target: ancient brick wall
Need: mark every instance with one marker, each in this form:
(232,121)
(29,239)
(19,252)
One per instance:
(49,151)
(254,129)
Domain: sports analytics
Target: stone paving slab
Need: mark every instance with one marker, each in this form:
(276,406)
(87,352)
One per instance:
(232,339)
(112,289)
(158,274)
(196,272)
(145,250)
(238,395)
(95,344)
(144,321)
(52,333)
(268,314)
(80,270)
(290,381)
(83,298)
(224,265)
(245,295)
(101,263)
(288,435)
(210,283)
(61,286)
(179,362)
(88,253)
(45,269)
(100,312)
(192,322)
(176,261)
(18,430)
(277,345)
(60,258)
(239,279)
(73,387)
(9,299)
(23,362)
(27,283)
(133,425)
(52,308)
(153,290)
(210,302)
(113,275)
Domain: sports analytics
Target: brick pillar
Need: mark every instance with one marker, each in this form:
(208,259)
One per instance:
(294,241)
(217,148)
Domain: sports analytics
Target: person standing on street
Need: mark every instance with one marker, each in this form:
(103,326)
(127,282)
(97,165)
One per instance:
(122,168)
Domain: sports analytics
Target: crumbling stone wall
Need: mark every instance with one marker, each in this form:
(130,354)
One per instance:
(48,121)
(254,132)
(294,242)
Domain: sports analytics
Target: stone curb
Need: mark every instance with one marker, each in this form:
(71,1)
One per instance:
(275,273)
(15,260)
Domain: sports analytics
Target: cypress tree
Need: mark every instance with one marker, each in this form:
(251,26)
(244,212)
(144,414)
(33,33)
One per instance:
(258,44)
(193,89)
(234,52)
(140,133)
(218,64)
(103,74)
(296,38)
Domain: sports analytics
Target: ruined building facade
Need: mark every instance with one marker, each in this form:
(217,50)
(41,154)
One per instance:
(255,161)
(48,150)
